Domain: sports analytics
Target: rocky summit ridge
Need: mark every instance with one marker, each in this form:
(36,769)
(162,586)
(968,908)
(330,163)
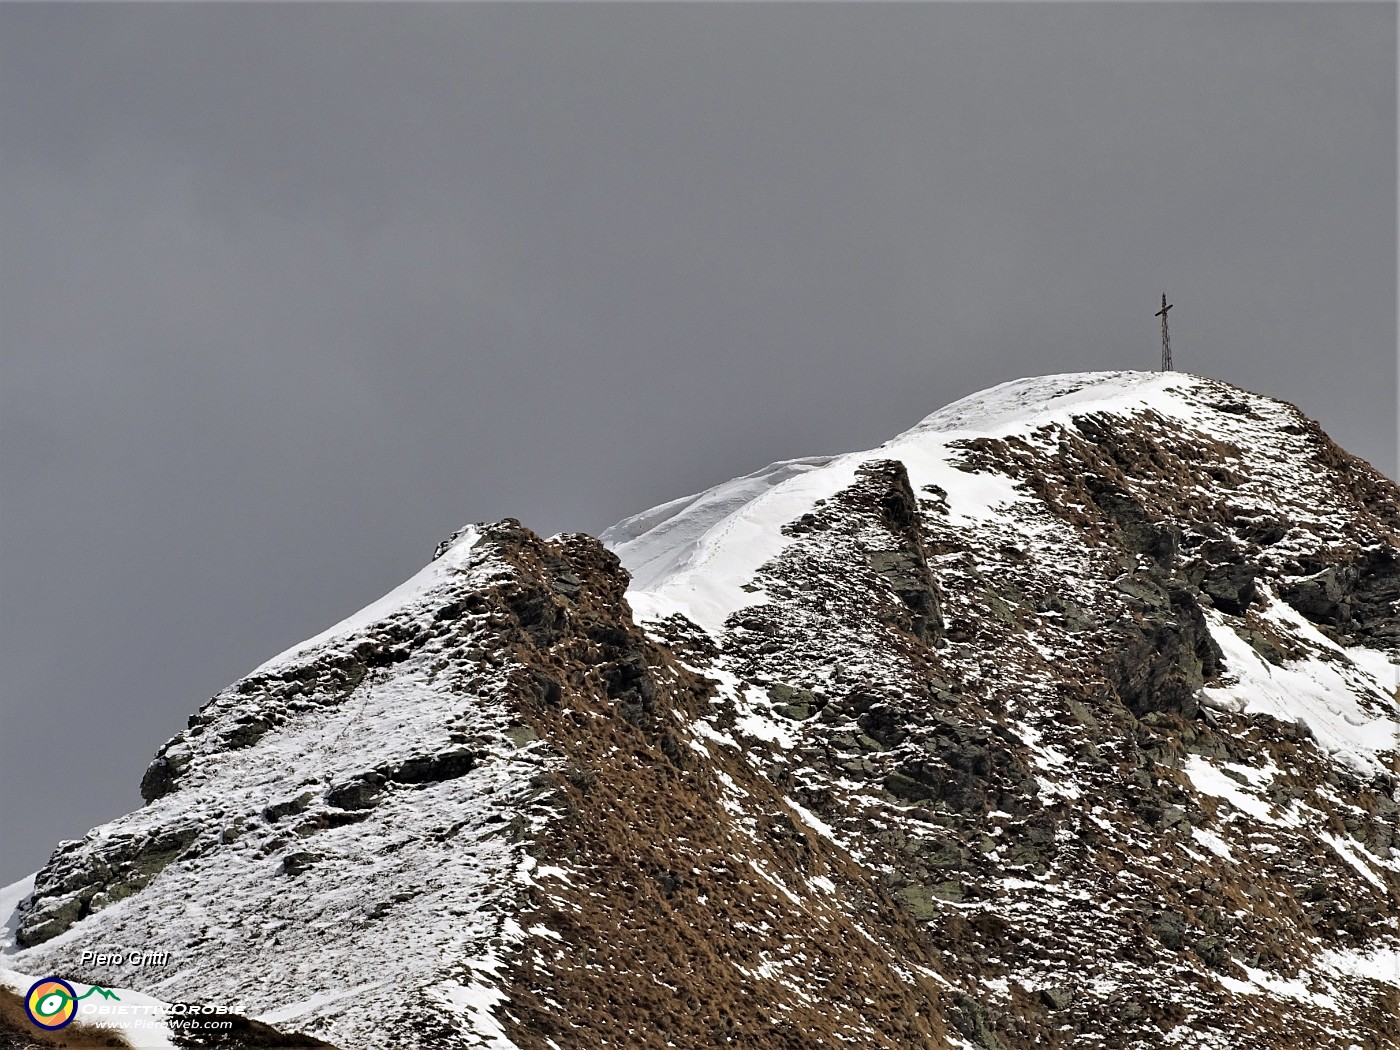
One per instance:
(1067,718)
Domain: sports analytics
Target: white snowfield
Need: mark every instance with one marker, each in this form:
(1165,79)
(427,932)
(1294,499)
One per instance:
(698,555)
(662,541)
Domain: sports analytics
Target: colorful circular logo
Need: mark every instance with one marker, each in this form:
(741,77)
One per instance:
(51,1003)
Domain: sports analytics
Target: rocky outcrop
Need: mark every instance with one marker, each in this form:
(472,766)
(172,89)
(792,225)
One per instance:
(1355,597)
(76,884)
(1164,653)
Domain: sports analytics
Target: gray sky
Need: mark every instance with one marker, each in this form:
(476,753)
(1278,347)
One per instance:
(290,292)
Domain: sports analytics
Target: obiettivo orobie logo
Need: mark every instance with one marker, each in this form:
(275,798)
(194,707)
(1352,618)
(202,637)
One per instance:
(51,1003)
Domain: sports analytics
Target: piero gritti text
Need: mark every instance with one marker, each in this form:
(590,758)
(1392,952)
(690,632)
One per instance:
(137,959)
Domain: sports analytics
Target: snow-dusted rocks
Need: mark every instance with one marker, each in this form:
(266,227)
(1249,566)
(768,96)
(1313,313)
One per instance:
(1066,717)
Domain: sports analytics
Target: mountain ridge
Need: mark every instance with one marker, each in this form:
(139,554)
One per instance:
(848,757)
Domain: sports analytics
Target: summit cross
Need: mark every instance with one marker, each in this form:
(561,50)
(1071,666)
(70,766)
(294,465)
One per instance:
(1166,339)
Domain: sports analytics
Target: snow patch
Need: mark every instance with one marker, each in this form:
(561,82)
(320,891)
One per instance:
(1210,780)
(1324,695)
(812,821)
(1375,964)
(1352,853)
(1262,982)
(1213,842)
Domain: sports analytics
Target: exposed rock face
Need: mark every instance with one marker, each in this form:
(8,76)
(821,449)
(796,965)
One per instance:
(1062,719)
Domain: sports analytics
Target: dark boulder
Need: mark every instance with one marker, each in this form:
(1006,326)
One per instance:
(1230,587)
(1164,653)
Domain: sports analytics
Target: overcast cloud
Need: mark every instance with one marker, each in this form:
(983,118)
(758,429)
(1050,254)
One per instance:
(290,292)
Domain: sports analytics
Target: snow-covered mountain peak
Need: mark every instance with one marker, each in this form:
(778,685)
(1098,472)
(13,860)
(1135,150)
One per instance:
(848,760)
(697,555)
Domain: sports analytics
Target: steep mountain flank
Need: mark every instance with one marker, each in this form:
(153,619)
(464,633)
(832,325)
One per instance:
(1135,793)
(1066,718)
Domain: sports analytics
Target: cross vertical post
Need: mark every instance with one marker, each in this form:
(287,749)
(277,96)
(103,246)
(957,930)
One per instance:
(1166,339)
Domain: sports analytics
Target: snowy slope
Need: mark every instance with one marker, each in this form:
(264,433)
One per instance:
(10,897)
(319,888)
(668,539)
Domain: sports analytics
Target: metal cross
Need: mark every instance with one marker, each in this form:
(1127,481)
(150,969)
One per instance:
(1166,339)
